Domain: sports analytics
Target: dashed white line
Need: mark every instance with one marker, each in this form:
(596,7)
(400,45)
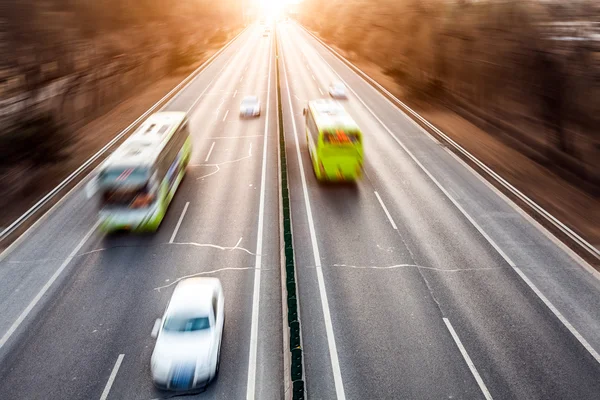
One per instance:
(225,116)
(320,91)
(112,377)
(335,363)
(210,151)
(386,211)
(468,360)
(45,288)
(314,79)
(180,221)
(235,93)
(251,385)
(242,78)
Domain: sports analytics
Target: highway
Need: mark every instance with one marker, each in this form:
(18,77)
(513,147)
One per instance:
(419,282)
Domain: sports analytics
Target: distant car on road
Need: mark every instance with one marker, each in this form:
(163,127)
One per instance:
(188,337)
(337,90)
(250,107)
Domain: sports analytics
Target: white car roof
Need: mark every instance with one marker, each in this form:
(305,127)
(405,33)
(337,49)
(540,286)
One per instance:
(193,296)
(250,99)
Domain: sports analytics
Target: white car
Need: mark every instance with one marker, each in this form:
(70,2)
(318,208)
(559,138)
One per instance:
(337,90)
(250,107)
(188,337)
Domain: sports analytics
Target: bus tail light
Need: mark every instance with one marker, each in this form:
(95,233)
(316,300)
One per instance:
(142,200)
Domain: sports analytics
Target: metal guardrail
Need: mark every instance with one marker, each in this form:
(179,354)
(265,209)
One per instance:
(78,175)
(576,239)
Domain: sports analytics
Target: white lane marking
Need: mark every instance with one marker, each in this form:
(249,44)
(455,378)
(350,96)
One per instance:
(45,288)
(210,151)
(112,377)
(386,211)
(529,283)
(225,116)
(335,364)
(235,93)
(179,222)
(559,315)
(320,91)
(528,217)
(314,79)
(251,386)
(468,360)
(242,78)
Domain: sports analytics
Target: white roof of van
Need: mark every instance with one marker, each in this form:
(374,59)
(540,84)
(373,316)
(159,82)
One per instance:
(331,113)
(145,144)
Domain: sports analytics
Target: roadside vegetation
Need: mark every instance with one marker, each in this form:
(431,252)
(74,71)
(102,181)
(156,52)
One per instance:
(64,63)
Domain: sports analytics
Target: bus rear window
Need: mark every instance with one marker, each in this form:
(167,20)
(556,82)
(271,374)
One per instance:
(340,138)
(127,198)
(128,176)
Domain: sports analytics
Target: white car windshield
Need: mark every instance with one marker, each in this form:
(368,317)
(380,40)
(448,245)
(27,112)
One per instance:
(182,324)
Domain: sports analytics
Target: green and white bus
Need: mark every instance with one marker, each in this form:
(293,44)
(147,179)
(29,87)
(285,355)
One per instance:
(137,182)
(334,141)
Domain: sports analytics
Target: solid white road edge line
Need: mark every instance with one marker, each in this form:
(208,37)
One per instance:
(45,288)
(335,364)
(468,360)
(529,283)
(386,211)
(210,151)
(180,221)
(251,385)
(112,377)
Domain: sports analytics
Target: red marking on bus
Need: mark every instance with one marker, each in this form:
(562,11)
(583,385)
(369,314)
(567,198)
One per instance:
(125,174)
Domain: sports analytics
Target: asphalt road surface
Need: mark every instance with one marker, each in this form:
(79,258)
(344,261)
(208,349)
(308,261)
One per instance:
(421,281)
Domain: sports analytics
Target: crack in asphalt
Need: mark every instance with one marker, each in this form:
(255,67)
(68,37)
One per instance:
(218,165)
(159,288)
(402,266)
(192,244)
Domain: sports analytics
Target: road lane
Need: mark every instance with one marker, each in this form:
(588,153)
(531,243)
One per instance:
(107,304)
(520,348)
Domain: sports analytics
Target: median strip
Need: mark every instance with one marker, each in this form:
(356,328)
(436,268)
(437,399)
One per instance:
(294,345)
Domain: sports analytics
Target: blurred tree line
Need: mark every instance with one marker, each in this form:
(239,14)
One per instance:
(64,62)
(530,68)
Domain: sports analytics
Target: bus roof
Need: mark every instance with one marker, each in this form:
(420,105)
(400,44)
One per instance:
(143,147)
(331,114)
